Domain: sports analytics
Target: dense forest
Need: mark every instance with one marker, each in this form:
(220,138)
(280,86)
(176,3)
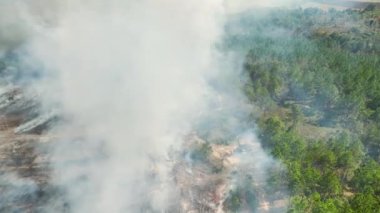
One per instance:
(314,76)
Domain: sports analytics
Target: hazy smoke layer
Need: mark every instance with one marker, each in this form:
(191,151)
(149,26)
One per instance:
(130,75)
(235,6)
(132,78)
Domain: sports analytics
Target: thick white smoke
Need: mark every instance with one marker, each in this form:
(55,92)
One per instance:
(131,77)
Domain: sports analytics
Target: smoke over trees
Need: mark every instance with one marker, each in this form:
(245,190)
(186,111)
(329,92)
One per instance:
(188,106)
(323,67)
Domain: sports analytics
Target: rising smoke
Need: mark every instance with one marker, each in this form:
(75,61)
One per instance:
(131,78)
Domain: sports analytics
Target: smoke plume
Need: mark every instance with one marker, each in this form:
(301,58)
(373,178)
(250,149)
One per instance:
(130,75)
(131,79)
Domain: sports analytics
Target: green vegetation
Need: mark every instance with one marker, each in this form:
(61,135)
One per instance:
(201,152)
(234,201)
(315,76)
(240,197)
